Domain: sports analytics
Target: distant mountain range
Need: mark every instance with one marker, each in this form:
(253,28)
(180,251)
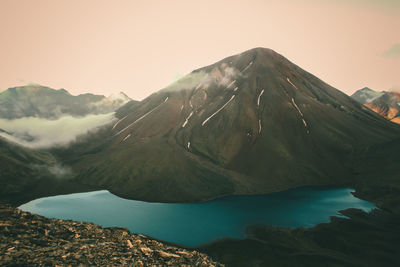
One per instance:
(386,104)
(366,95)
(44,102)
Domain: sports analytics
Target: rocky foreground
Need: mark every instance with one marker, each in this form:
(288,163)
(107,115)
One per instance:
(32,240)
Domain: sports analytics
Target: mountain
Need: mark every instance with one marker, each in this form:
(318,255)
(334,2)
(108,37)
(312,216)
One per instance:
(251,123)
(387,105)
(366,95)
(44,102)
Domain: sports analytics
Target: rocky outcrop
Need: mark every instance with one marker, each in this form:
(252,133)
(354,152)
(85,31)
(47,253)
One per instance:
(29,239)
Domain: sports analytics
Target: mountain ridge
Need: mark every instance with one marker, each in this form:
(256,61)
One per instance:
(386,104)
(45,102)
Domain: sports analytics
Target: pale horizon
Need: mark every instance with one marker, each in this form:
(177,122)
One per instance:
(139,47)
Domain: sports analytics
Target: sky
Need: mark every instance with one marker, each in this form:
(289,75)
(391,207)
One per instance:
(139,47)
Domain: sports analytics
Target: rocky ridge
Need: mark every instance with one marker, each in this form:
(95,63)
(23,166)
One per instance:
(27,239)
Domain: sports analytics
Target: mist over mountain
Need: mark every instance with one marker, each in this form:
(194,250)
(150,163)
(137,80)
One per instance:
(35,132)
(251,123)
(36,116)
(44,102)
(366,95)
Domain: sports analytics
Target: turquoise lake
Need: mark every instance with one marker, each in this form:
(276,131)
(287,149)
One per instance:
(193,224)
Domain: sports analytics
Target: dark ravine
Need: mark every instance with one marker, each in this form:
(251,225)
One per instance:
(31,240)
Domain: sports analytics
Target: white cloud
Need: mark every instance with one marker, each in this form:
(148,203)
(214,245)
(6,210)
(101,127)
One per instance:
(188,81)
(41,133)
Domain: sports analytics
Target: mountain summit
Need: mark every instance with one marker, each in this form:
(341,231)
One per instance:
(250,123)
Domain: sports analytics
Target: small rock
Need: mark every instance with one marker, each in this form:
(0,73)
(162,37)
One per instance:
(168,255)
(185,254)
(146,250)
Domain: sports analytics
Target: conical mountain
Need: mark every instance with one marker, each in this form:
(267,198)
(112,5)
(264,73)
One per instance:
(250,123)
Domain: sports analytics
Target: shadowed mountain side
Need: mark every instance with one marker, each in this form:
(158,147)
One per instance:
(250,123)
(366,239)
(26,174)
(377,175)
(20,167)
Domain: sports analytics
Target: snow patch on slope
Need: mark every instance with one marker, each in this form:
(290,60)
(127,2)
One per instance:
(229,85)
(215,113)
(142,117)
(291,83)
(126,137)
(116,124)
(259,97)
(248,66)
(187,119)
(301,114)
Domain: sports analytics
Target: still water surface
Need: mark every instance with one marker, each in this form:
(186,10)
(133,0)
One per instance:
(193,224)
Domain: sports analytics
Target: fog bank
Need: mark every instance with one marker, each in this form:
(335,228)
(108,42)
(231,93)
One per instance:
(42,133)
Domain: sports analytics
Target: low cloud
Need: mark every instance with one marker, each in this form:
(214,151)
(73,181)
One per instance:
(188,81)
(230,73)
(393,52)
(221,75)
(60,171)
(42,133)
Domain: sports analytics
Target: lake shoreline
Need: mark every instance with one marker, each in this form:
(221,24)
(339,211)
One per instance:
(197,224)
(29,239)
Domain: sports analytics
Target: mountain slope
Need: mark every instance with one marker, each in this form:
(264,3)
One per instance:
(366,95)
(44,102)
(20,167)
(387,105)
(250,123)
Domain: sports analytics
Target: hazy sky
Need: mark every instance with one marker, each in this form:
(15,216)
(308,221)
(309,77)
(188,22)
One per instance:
(139,47)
